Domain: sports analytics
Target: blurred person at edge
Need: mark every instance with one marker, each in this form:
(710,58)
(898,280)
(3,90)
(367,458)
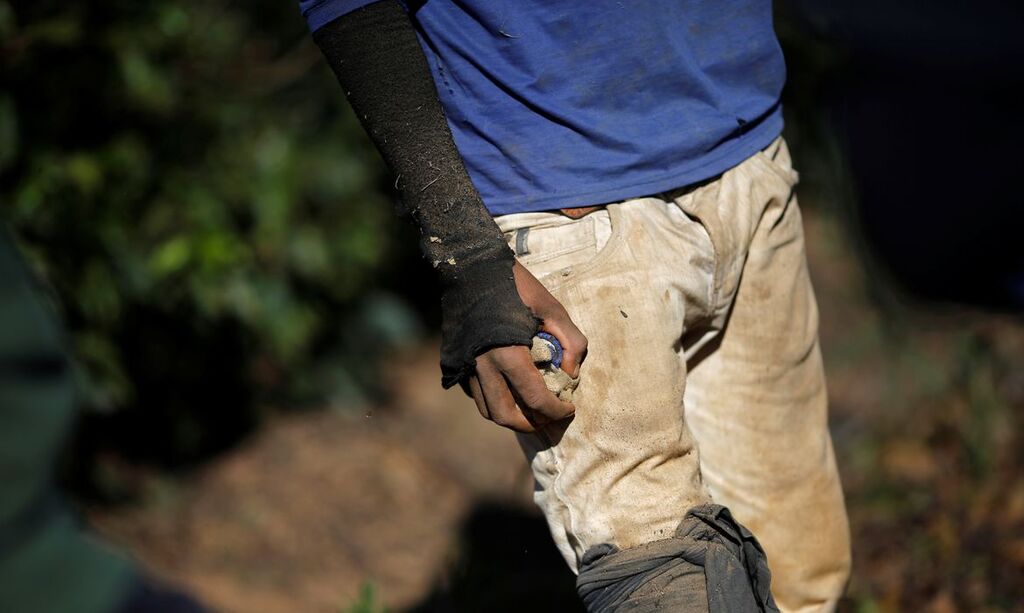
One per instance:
(612,174)
(48,564)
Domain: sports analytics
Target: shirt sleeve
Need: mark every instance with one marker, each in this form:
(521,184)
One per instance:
(319,13)
(376,55)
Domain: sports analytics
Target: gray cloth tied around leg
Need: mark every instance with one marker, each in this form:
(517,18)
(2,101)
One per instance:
(711,564)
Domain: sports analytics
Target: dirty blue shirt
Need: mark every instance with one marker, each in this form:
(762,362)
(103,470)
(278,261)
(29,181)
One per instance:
(561,103)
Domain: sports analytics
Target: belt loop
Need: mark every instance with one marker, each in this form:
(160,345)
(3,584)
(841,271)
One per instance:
(522,248)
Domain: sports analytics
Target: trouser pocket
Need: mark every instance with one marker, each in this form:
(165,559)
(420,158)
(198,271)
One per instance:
(547,243)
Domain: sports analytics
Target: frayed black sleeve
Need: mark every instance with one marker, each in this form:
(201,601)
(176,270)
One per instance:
(376,56)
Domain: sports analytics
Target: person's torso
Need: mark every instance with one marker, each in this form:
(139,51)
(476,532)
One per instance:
(557,103)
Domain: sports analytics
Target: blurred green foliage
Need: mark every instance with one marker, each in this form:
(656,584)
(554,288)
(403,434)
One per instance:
(190,162)
(367,602)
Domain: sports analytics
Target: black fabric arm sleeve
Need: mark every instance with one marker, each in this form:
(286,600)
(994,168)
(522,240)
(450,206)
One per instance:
(377,58)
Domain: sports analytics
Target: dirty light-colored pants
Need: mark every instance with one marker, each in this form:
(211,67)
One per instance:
(704,379)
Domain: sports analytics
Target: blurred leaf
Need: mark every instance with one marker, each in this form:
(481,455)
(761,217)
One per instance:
(85,172)
(63,30)
(309,252)
(8,24)
(172,256)
(367,602)
(98,373)
(173,20)
(99,297)
(144,82)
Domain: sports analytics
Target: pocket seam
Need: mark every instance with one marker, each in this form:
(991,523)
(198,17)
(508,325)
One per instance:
(789,175)
(615,240)
(713,289)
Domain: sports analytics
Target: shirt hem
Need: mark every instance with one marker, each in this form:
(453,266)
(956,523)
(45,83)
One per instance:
(742,148)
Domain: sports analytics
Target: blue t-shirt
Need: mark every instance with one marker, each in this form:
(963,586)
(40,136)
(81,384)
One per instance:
(562,103)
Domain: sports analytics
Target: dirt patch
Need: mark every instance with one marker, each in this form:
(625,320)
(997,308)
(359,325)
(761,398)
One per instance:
(319,504)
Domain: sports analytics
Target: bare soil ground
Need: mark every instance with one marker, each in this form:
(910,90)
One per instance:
(428,503)
(321,503)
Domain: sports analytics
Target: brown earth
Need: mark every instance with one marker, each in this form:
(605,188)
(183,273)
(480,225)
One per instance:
(318,504)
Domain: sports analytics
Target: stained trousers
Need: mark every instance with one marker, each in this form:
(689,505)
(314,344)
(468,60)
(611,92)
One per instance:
(704,380)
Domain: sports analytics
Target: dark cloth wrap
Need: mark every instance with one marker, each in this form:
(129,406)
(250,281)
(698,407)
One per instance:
(712,564)
(376,56)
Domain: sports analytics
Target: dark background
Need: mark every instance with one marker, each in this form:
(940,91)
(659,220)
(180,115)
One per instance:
(254,332)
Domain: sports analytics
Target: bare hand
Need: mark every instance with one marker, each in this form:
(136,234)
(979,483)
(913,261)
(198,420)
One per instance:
(507,387)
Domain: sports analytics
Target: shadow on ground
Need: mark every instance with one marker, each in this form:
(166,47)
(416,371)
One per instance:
(506,562)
